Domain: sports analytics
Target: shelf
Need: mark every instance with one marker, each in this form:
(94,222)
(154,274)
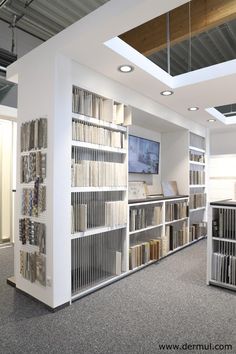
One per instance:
(196,149)
(223,239)
(97,189)
(145,229)
(197,163)
(197,186)
(98,147)
(174,221)
(97,230)
(223,285)
(99,122)
(184,246)
(150,202)
(143,266)
(197,209)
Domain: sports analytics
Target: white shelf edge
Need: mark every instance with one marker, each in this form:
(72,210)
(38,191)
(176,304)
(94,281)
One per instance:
(97,230)
(196,209)
(197,163)
(98,147)
(174,221)
(223,239)
(223,285)
(143,266)
(145,229)
(146,203)
(99,122)
(100,285)
(197,186)
(196,149)
(97,189)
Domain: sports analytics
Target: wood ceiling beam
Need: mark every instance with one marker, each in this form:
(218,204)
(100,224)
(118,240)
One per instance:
(205,14)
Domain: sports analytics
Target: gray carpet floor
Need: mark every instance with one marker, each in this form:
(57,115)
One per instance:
(166,303)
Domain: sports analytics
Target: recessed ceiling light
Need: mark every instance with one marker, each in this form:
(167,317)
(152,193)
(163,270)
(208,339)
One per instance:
(167,93)
(211,120)
(126,68)
(193,109)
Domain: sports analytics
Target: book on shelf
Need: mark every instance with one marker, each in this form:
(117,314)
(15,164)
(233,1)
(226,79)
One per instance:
(98,214)
(224,225)
(98,174)
(224,268)
(112,262)
(142,253)
(177,237)
(197,230)
(93,105)
(196,157)
(142,217)
(197,200)
(175,211)
(197,177)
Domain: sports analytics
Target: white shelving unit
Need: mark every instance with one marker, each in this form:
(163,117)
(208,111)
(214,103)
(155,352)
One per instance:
(221,245)
(197,186)
(99,252)
(155,230)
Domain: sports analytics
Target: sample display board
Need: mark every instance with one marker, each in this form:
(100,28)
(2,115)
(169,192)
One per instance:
(33,172)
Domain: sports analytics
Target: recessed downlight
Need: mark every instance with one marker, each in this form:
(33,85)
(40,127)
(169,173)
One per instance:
(193,109)
(167,93)
(211,120)
(126,68)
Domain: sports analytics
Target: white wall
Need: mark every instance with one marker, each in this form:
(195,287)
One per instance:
(223,143)
(222,177)
(6,145)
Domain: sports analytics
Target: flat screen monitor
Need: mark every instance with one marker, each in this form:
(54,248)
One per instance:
(143,155)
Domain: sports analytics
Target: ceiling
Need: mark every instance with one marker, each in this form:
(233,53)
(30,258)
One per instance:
(45,18)
(203,88)
(214,46)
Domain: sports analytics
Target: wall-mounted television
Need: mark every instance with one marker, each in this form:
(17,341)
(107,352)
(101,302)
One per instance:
(143,155)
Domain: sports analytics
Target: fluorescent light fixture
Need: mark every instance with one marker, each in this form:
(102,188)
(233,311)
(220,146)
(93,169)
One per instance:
(126,68)
(211,120)
(167,93)
(193,109)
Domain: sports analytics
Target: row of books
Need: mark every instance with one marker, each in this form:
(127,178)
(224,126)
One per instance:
(196,177)
(98,174)
(197,230)
(143,253)
(92,105)
(34,200)
(224,268)
(32,166)
(33,233)
(96,135)
(176,237)
(224,225)
(197,200)
(193,156)
(33,267)
(175,211)
(98,214)
(34,135)
(144,216)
